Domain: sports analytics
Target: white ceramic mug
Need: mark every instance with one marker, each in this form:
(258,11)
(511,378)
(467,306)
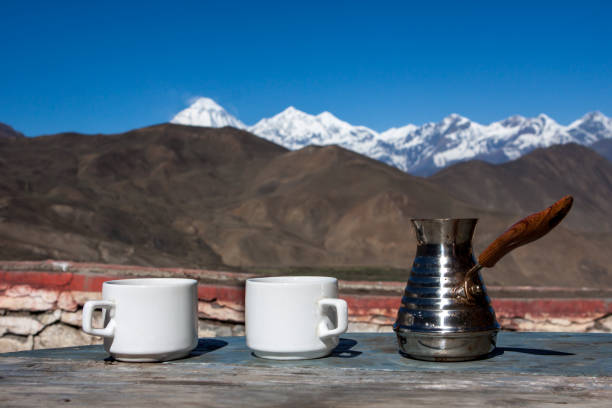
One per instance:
(294,317)
(146,320)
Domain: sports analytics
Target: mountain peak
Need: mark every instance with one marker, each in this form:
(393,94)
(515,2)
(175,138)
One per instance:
(292,111)
(455,118)
(545,118)
(594,116)
(513,121)
(328,119)
(295,129)
(206,103)
(590,117)
(206,112)
(590,128)
(326,115)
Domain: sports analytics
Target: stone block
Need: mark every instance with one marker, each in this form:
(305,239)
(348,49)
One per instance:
(62,335)
(232,305)
(10,343)
(362,327)
(572,321)
(48,318)
(238,330)
(509,323)
(76,318)
(606,323)
(24,297)
(212,310)
(73,318)
(65,301)
(47,295)
(207,328)
(359,318)
(80,297)
(545,324)
(23,325)
(564,325)
(383,320)
(18,291)
(601,325)
(25,303)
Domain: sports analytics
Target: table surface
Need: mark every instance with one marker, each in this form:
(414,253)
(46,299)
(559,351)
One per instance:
(527,369)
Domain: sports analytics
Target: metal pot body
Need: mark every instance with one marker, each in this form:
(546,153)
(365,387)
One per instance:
(434,321)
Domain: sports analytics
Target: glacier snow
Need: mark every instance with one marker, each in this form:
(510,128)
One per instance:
(420,150)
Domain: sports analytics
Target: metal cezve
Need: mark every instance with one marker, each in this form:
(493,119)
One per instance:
(445,313)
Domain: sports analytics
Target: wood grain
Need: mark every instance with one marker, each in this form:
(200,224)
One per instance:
(527,369)
(525,231)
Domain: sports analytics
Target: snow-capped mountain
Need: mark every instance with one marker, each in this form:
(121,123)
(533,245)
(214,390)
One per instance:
(590,128)
(206,112)
(295,129)
(420,150)
(433,146)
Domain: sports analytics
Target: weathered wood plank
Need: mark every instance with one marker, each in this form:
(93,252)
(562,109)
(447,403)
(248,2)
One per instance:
(528,369)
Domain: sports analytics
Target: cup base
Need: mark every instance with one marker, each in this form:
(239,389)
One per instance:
(303,355)
(150,358)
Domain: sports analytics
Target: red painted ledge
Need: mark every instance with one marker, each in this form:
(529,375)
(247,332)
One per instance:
(364,298)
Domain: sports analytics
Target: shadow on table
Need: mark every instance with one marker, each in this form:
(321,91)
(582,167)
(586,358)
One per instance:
(498,351)
(538,352)
(343,349)
(206,346)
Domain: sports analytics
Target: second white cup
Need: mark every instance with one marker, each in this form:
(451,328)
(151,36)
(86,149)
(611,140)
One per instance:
(294,317)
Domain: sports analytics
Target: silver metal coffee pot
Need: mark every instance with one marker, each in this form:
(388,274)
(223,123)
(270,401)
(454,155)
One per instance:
(445,313)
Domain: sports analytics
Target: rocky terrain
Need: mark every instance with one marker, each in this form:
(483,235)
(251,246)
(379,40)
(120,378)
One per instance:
(173,195)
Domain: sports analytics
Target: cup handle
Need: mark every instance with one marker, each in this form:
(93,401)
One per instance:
(88,309)
(341,309)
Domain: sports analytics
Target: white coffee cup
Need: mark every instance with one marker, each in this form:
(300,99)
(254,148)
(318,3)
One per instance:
(146,320)
(294,317)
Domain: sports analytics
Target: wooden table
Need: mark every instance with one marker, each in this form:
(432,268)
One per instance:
(527,369)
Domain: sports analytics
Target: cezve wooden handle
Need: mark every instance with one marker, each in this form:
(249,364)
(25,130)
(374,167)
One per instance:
(526,230)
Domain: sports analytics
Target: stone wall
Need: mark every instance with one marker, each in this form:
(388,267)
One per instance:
(41,303)
(32,318)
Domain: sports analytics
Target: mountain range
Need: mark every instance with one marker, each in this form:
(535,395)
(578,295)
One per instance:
(419,150)
(187,196)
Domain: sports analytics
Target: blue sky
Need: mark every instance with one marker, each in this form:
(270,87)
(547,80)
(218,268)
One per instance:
(111,67)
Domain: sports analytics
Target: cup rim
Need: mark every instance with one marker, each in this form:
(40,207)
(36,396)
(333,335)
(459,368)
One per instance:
(292,280)
(151,282)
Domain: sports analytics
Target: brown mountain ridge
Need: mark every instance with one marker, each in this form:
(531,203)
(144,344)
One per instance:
(537,179)
(172,195)
(7,132)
